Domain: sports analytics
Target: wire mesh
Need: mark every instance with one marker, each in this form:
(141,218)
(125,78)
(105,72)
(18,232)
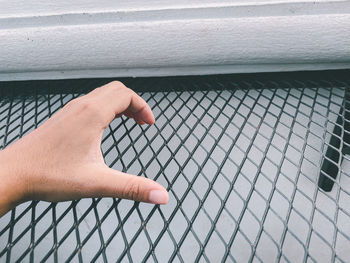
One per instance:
(241,157)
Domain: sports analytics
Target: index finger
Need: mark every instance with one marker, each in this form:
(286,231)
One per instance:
(115,99)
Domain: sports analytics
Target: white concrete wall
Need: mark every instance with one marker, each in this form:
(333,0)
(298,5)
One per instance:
(72,39)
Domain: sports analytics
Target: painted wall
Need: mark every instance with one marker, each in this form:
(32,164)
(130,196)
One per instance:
(73,39)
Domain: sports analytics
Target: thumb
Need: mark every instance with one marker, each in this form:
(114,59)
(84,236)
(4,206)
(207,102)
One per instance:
(113,183)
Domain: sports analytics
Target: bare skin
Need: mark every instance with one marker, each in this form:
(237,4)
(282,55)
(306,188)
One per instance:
(62,160)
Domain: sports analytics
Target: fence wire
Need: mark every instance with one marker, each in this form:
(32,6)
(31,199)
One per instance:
(241,157)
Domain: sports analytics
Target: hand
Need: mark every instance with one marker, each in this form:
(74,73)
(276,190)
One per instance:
(62,159)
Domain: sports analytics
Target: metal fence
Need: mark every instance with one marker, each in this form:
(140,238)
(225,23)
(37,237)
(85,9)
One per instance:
(241,156)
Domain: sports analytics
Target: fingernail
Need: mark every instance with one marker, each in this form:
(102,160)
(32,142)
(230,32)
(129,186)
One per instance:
(158,197)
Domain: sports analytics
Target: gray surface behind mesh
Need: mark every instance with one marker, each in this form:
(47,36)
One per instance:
(242,169)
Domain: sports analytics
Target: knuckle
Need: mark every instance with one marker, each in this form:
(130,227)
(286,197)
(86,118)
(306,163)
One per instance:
(117,85)
(133,190)
(120,88)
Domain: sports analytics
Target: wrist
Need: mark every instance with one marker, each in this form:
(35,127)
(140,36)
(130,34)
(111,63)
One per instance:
(12,187)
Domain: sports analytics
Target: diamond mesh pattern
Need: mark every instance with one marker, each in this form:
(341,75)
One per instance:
(240,155)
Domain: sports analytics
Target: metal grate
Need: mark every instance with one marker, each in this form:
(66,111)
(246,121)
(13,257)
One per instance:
(240,155)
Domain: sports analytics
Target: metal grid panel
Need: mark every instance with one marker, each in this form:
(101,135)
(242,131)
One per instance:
(241,157)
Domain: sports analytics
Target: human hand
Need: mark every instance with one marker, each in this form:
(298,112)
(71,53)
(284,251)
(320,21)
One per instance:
(62,159)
